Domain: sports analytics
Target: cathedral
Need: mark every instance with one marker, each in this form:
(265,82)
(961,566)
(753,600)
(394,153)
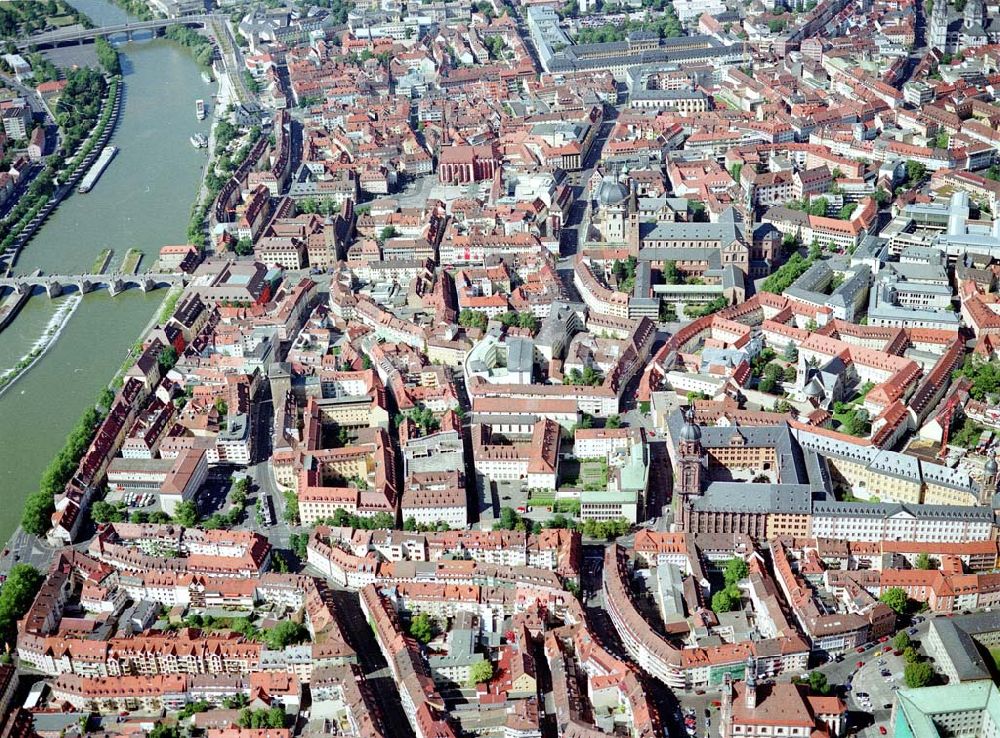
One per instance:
(952,31)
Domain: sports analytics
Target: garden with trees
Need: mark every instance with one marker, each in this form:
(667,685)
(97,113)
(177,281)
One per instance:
(473,319)
(79,105)
(19,20)
(589,377)
(480,673)
(727,599)
(984,376)
(422,628)
(710,307)
(525,320)
(895,599)
(787,273)
(666,25)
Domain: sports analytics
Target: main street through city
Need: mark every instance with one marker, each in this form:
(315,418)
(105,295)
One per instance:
(571,238)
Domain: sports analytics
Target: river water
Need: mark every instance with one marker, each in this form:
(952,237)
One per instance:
(143,200)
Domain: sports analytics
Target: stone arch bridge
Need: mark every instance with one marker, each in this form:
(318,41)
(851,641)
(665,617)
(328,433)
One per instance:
(57,284)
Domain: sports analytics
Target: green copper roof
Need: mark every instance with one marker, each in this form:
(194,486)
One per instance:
(920,711)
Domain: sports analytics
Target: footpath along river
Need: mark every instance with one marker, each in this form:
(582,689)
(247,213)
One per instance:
(143,200)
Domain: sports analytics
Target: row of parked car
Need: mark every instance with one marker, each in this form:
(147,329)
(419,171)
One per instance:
(136,500)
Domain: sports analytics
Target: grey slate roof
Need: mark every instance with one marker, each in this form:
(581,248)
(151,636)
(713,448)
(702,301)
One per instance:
(958,638)
(755,498)
(690,231)
(889,509)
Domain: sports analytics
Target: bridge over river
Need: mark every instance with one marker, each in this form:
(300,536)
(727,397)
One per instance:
(56,284)
(77,35)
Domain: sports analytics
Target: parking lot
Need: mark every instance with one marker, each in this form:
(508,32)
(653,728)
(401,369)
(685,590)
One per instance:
(695,720)
(874,693)
(705,710)
(874,686)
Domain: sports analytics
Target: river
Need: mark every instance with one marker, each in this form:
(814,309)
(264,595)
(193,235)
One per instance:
(143,200)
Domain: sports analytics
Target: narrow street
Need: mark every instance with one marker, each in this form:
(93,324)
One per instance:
(374,665)
(262,474)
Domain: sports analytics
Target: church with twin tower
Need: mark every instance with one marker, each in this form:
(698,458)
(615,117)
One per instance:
(952,31)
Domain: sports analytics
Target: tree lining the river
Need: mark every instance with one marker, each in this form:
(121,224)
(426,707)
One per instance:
(40,504)
(107,55)
(199,46)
